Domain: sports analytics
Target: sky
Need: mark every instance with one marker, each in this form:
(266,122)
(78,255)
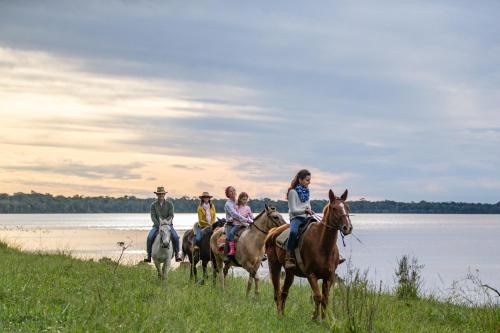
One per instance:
(395,100)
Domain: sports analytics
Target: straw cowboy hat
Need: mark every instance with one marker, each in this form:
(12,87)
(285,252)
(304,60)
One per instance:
(160,190)
(205,194)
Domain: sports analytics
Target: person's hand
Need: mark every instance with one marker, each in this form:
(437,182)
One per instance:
(309,211)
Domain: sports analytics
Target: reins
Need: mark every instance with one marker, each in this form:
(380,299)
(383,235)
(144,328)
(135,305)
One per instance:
(320,220)
(264,232)
(253,224)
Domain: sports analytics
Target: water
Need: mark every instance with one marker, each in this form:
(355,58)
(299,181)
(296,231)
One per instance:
(448,245)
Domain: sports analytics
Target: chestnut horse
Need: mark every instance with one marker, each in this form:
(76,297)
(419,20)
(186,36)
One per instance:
(319,253)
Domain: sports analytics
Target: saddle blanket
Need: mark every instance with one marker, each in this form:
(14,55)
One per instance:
(220,243)
(283,238)
(222,239)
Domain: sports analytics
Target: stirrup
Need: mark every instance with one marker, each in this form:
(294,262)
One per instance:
(290,263)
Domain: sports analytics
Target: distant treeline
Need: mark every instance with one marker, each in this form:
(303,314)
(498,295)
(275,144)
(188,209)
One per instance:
(47,203)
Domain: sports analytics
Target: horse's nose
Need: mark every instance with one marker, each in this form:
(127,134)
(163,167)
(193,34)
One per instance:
(347,229)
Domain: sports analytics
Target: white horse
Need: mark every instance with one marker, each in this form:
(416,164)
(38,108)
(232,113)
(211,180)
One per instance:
(163,249)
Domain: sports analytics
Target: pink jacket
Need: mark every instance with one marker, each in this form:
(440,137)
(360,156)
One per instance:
(245,211)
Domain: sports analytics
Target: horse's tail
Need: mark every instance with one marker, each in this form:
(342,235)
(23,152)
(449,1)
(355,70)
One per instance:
(275,232)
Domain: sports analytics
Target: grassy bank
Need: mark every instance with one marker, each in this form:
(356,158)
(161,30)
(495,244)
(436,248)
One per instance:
(41,292)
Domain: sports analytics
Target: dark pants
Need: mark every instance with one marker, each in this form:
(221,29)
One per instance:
(295,224)
(151,237)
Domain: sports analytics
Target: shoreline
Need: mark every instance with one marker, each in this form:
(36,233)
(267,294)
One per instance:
(82,243)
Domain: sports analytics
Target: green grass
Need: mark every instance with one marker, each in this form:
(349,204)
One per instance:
(54,292)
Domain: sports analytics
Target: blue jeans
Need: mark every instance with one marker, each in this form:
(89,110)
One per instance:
(197,233)
(232,232)
(152,235)
(295,224)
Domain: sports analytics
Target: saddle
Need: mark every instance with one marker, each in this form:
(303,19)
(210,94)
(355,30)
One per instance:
(282,239)
(222,239)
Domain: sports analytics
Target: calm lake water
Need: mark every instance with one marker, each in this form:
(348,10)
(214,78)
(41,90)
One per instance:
(448,245)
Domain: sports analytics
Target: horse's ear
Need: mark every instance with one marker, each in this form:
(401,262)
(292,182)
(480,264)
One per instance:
(331,195)
(344,196)
(267,207)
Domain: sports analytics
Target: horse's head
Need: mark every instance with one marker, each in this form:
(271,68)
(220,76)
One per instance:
(274,219)
(218,223)
(337,213)
(165,233)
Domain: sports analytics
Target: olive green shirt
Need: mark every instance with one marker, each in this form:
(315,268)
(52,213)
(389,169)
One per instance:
(162,212)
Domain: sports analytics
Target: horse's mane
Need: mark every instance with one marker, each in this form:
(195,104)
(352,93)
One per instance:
(259,215)
(326,212)
(263,211)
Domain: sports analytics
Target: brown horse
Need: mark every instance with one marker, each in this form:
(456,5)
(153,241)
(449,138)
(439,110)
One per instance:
(250,246)
(319,252)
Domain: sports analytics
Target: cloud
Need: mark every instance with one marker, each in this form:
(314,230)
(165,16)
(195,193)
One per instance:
(77,169)
(372,98)
(186,167)
(71,189)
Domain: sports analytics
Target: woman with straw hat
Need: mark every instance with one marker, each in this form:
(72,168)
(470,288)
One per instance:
(206,216)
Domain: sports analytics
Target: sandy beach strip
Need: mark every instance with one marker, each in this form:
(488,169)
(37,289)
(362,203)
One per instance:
(81,243)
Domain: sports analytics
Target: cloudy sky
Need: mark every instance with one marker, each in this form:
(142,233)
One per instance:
(390,99)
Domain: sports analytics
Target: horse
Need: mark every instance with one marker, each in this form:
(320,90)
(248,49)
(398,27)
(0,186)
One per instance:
(249,247)
(319,253)
(204,253)
(163,249)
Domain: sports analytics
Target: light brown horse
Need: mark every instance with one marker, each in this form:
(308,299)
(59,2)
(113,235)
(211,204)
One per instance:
(250,245)
(319,252)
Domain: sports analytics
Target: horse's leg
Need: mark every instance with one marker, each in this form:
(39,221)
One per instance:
(289,276)
(190,257)
(195,270)
(275,271)
(205,274)
(249,283)
(215,267)
(313,281)
(158,269)
(256,279)
(325,298)
(164,270)
(224,273)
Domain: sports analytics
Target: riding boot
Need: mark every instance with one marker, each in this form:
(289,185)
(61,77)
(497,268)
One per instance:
(177,257)
(289,261)
(148,259)
(232,249)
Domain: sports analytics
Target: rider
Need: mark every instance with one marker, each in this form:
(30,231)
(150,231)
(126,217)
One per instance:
(299,207)
(242,206)
(162,209)
(206,217)
(234,221)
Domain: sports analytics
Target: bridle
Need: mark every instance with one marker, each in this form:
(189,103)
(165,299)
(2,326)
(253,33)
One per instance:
(163,232)
(269,217)
(338,218)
